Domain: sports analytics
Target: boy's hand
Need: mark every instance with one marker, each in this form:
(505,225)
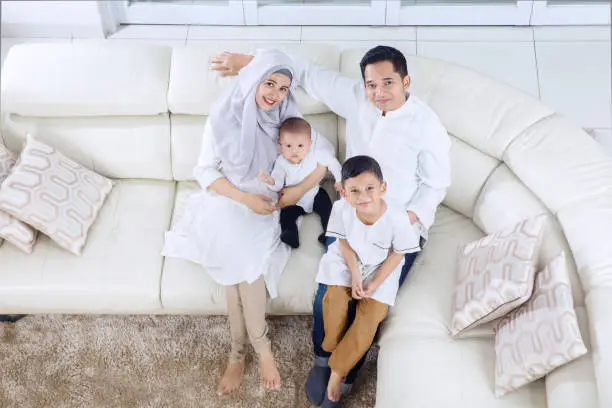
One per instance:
(357,288)
(369,289)
(266,178)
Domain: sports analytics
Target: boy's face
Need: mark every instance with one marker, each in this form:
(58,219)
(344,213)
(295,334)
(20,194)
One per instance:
(364,192)
(295,146)
(385,88)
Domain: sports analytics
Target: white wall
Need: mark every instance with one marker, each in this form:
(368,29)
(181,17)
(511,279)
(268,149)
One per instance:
(53,19)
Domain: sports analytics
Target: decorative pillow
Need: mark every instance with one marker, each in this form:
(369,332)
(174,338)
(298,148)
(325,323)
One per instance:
(14,231)
(495,274)
(54,194)
(539,336)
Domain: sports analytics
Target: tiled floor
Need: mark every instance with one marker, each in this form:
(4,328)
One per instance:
(567,67)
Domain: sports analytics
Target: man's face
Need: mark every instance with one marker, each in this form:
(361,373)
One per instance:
(364,193)
(295,146)
(384,87)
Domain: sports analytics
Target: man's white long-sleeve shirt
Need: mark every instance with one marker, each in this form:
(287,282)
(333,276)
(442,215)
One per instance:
(410,143)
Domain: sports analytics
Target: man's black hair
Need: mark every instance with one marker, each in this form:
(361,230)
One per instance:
(357,165)
(385,53)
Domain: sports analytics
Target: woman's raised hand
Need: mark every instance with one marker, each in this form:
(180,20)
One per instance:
(259,203)
(229,63)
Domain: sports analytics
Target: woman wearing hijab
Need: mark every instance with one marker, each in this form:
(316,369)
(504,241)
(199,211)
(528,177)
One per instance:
(232,227)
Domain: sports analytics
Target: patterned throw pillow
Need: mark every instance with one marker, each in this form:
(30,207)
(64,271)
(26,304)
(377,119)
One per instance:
(495,274)
(54,194)
(539,336)
(14,231)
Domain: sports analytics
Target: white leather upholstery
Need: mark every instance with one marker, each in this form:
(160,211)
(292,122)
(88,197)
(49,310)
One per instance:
(511,158)
(573,385)
(187,133)
(118,271)
(430,372)
(467,181)
(194,87)
(116,146)
(84,79)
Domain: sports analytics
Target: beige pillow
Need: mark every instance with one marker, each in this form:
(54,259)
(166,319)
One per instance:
(539,336)
(14,231)
(495,274)
(54,194)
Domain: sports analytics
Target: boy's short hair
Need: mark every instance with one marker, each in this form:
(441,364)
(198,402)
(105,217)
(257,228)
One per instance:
(295,125)
(385,53)
(357,165)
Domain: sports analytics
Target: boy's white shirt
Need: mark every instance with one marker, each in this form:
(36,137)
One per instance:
(409,143)
(372,245)
(287,174)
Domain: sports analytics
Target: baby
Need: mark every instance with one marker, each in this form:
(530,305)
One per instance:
(299,157)
(364,263)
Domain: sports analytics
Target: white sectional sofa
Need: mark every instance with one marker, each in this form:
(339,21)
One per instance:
(136,113)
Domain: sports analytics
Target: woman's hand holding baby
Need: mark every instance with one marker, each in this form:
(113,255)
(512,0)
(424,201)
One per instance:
(259,203)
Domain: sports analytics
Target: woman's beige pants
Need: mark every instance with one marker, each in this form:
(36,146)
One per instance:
(246,309)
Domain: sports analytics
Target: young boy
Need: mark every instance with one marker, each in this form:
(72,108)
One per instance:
(297,160)
(364,263)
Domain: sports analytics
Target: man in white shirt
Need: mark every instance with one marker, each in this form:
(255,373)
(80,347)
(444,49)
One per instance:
(402,133)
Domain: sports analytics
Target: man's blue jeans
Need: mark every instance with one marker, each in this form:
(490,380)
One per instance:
(318,330)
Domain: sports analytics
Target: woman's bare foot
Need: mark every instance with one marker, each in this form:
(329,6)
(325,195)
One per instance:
(268,373)
(232,378)
(333,386)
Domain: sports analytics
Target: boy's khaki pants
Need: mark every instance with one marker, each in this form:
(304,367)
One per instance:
(246,309)
(348,346)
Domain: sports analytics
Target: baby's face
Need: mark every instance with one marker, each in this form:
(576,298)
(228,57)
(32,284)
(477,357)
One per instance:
(295,146)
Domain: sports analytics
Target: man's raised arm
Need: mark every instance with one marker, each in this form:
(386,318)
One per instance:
(339,92)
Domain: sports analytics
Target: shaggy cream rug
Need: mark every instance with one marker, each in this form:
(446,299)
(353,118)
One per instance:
(151,361)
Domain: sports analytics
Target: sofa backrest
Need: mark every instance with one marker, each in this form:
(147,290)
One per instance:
(101,104)
(139,112)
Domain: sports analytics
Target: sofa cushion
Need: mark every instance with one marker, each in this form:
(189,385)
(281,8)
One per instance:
(187,288)
(54,194)
(115,147)
(495,274)
(14,231)
(86,79)
(539,336)
(187,131)
(424,302)
(118,271)
(492,213)
(194,87)
(426,372)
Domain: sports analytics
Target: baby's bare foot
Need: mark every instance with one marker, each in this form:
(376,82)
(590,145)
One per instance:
(232,378)
(268,373)
(333,386)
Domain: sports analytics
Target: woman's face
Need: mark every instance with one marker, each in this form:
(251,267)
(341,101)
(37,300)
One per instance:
(272,91)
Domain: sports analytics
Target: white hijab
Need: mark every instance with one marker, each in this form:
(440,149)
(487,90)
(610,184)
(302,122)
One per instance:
(247,136)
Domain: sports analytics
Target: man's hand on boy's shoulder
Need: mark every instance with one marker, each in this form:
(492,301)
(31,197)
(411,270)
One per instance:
(229,63)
